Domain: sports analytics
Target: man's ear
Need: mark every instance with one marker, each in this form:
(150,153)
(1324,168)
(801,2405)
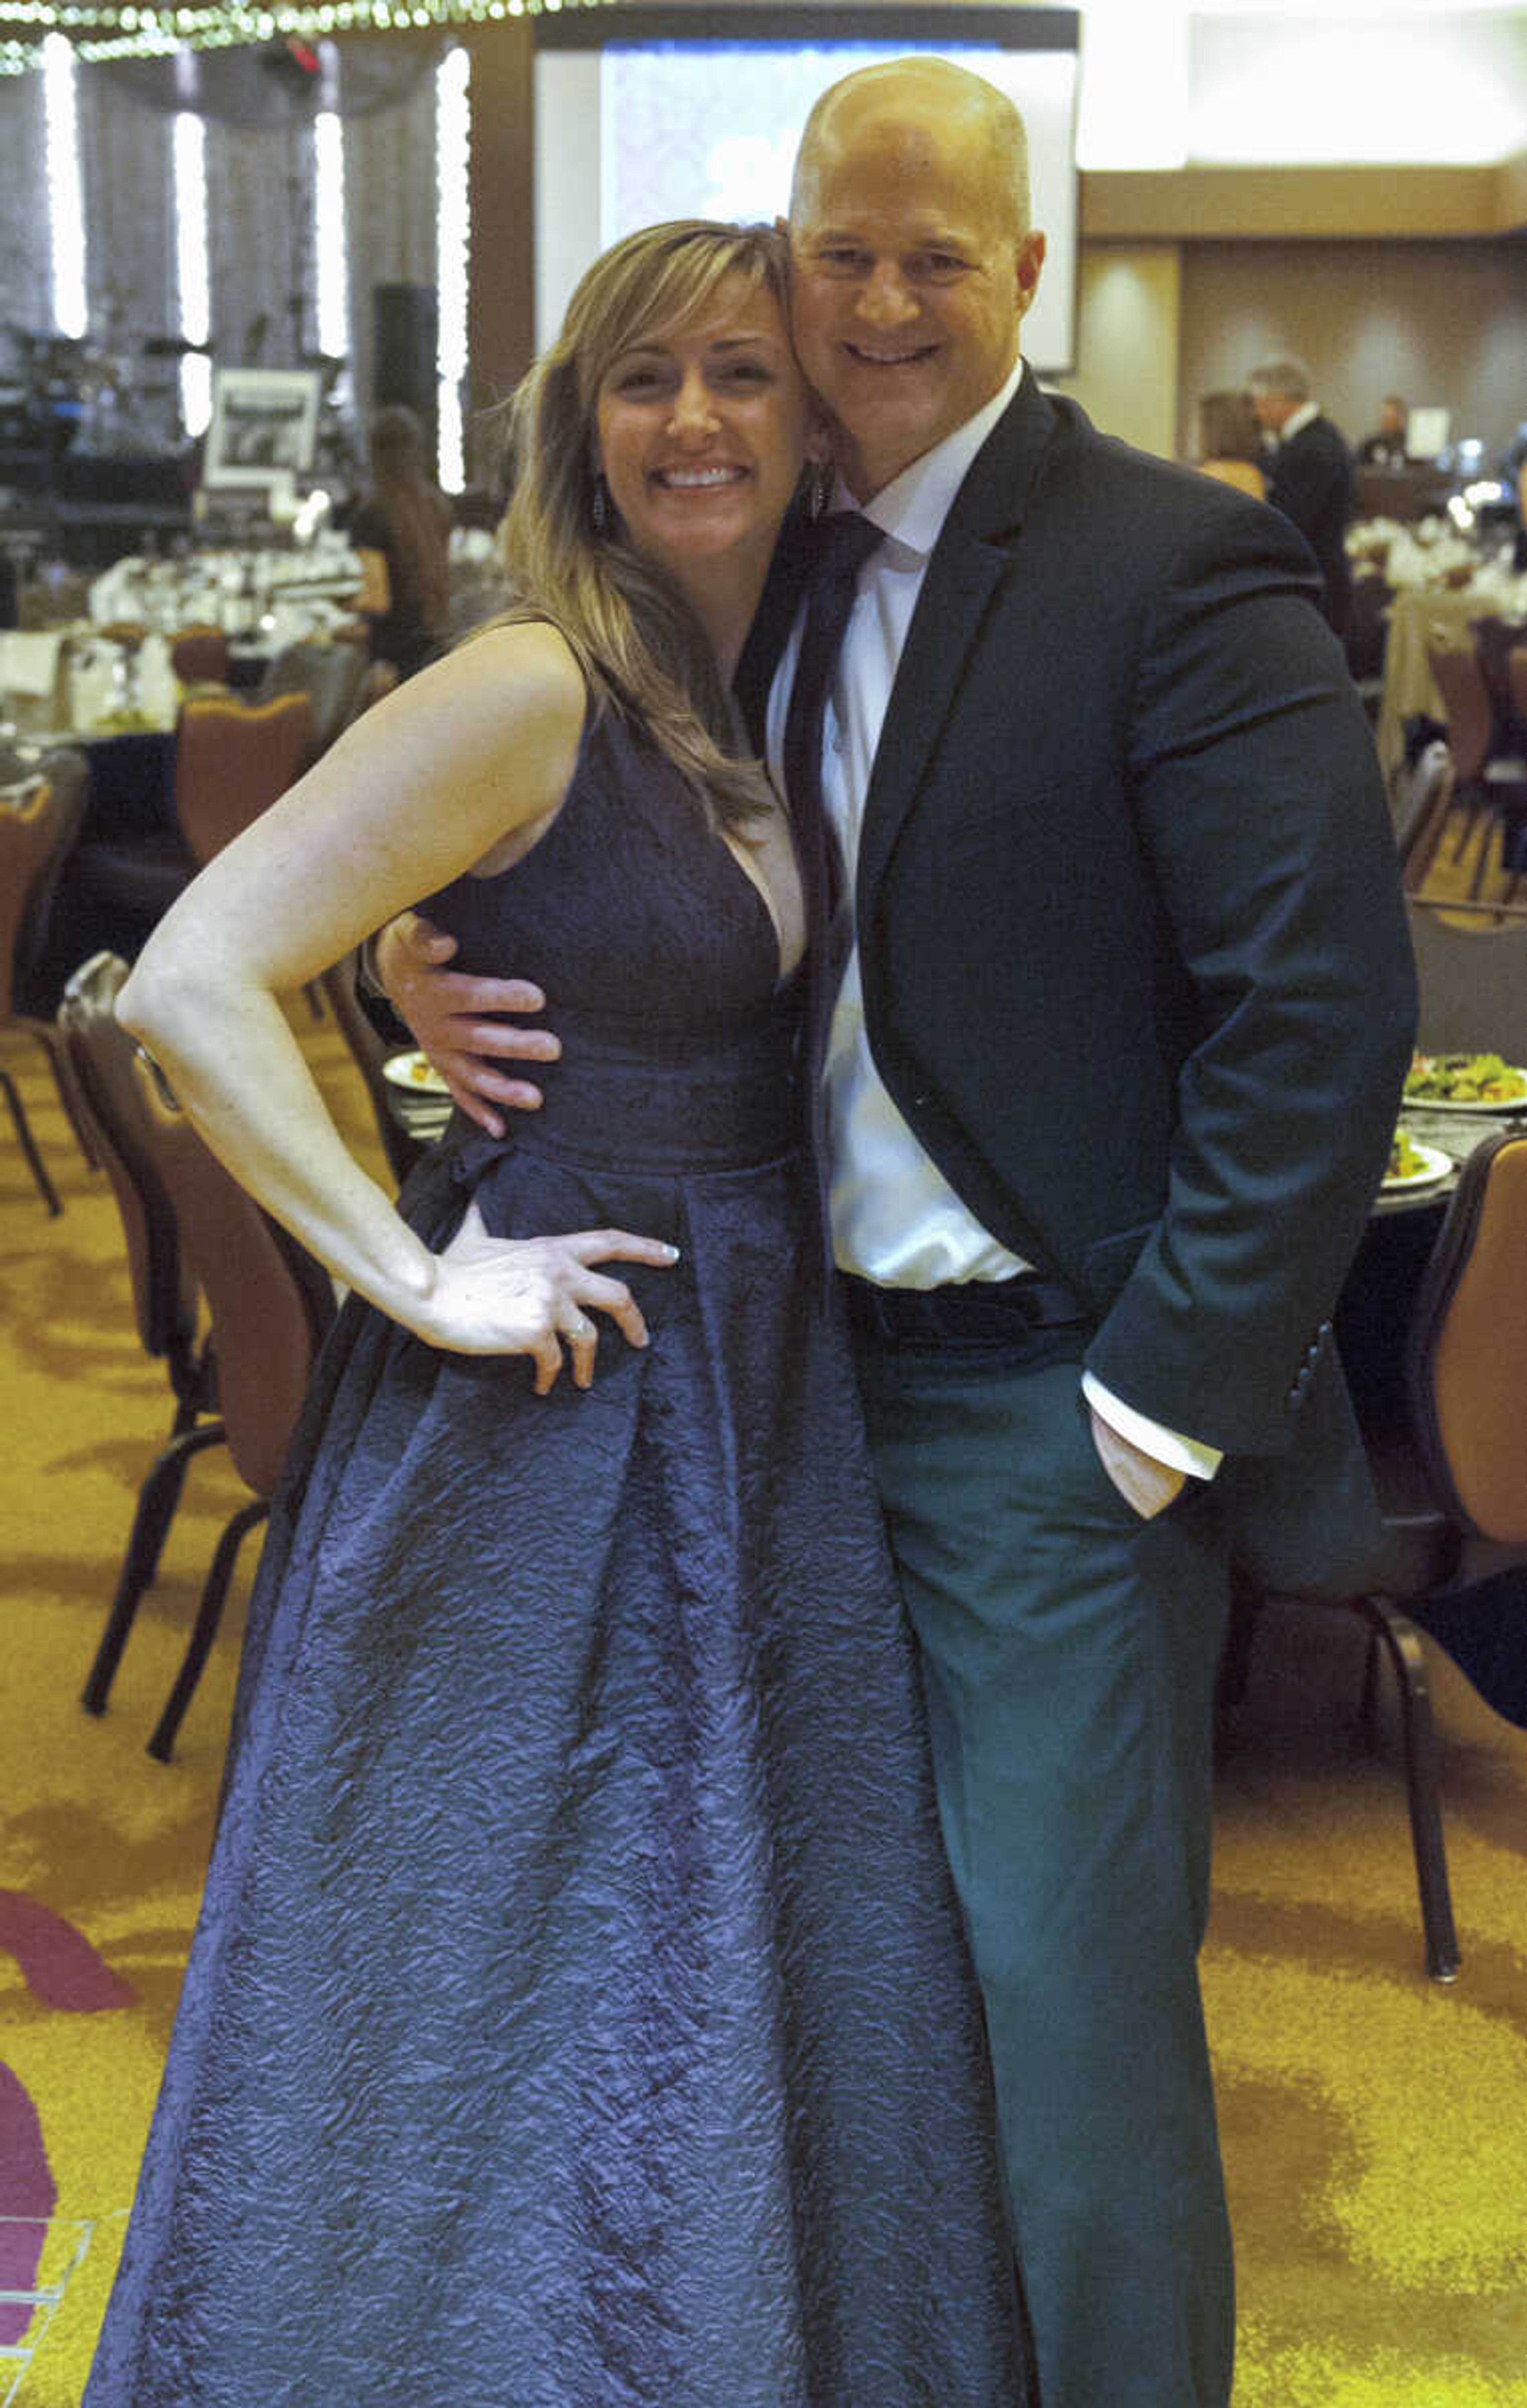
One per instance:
(1031,259)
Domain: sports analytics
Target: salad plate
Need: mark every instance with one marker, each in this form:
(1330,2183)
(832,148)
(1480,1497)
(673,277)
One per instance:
(1421,1165)
(414,1072)
(1465,1082)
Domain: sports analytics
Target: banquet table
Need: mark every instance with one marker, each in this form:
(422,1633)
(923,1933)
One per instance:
(1425,615)
(63,684)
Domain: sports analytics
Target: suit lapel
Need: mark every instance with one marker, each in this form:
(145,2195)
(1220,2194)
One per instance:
(961,576)
(974,553)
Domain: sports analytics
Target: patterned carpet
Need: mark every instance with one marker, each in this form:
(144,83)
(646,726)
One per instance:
(1375,2126)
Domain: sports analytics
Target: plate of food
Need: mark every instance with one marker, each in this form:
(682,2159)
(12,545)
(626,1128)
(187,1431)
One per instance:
(1414,1166)
(416,1072)
(1466,1083)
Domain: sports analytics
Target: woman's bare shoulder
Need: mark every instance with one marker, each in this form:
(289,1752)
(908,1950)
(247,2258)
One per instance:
(522,666)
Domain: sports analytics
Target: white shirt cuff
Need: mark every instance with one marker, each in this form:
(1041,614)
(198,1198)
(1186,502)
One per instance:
(1167,1446)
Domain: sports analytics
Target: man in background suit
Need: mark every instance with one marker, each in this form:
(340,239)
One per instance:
(1386,447)
(1112,1082)
(1309,474)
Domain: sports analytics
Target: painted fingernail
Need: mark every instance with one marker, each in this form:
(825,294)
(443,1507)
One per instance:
(672,1253)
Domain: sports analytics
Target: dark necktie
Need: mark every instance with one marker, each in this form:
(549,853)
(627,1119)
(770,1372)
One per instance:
(844,542)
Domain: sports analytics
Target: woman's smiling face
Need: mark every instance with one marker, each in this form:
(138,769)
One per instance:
(702,431)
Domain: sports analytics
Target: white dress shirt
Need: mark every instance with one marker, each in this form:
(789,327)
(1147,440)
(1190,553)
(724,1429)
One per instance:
(1297,419)
(895,1218)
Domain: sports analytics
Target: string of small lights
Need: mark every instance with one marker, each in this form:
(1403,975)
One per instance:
(143,33)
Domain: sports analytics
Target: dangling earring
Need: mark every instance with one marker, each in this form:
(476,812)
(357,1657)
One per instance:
(820,481)
(599,507)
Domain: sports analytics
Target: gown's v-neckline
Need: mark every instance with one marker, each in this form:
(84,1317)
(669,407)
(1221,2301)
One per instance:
(783,971)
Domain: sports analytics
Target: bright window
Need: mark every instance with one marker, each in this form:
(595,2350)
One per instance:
(452,233)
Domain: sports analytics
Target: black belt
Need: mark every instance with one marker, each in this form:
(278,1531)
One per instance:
(978,1312)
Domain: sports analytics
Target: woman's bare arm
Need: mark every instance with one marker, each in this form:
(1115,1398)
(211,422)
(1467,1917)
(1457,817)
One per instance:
(421,789)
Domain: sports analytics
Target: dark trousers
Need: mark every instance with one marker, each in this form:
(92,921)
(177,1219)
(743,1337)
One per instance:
(1069,1652)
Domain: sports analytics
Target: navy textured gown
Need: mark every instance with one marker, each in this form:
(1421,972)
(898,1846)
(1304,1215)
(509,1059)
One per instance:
(578,2016)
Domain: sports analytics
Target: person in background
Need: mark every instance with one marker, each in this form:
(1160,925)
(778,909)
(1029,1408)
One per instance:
(1309,474)
(1230,443)
(1110,1085)
(1386,447)
(402,531)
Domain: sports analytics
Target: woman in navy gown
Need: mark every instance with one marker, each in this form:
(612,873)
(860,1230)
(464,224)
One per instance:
(579,2016)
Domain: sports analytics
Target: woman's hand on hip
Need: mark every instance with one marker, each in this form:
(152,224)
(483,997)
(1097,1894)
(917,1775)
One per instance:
(534,1295)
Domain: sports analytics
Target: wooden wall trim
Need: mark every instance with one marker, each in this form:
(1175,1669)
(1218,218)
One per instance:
(1310,204)
(500,187)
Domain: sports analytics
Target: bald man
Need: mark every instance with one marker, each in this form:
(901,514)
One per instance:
(1112,1082)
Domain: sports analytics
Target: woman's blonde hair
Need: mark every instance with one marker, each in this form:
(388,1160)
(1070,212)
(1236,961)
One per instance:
(637,641)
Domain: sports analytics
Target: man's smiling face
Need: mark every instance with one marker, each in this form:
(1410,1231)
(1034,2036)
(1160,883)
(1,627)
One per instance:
(909,273)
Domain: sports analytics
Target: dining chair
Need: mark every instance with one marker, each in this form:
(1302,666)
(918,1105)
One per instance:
(1367,626)
(1421,800)
(233,760)
(195,1243)
(379,682)
(1494,638)
(270,1306)
(41,815)
(1515,671)
(1492,786)
(369,1049)
(199,654)
(330,675)
(1453,1470)
(165,1299)
(1471,975)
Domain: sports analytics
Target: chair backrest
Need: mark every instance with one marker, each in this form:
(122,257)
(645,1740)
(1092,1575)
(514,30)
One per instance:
(1366,626)
(1472,975)
(370,1050)
(199,655)
(1465,703)
(270,1302)
(1420,798)
(39,820)
(379,682)
(1468,1346)
(233,760)
(1494,638)
(100,1054)
(331,676)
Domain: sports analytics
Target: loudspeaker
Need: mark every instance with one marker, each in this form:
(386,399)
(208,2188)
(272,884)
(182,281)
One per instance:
(405,327)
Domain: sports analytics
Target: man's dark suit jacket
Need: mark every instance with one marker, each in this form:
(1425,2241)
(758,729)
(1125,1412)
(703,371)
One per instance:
(1310,481)
(1135,959)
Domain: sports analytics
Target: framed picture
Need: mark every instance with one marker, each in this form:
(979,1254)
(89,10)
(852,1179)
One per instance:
(264,425)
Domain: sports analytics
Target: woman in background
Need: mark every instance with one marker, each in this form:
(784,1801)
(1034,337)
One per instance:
(1230,443)
(402,531)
